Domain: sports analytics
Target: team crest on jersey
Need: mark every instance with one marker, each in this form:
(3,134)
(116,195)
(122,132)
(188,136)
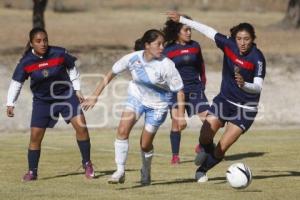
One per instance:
(186,58)
(137,63)
(45,73)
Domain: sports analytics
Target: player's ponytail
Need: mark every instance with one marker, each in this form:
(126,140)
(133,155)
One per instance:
(148,37)
(32,33)
(138,45)
(27,48)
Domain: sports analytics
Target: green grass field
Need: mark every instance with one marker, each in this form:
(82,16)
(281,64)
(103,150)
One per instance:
(273,157)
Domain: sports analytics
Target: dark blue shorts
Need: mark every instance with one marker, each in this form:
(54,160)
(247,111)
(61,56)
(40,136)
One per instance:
(227,112)
(45,114)
(195,102)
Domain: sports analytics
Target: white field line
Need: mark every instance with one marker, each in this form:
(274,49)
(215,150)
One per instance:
(183,157)
(155,154)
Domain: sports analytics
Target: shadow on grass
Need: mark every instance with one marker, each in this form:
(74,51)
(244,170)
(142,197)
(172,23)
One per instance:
(219,180)
(244,155)
(98,174)
(176,181)
(186,161)
(235,157)
(277,175)
(282,174)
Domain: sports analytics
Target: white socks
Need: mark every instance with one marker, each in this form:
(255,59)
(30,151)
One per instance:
(121,153)
(147,159)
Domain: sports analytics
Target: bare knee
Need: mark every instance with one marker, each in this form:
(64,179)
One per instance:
(175,125)
(146,147)
(123,133)
(82,133)
(36,138)
(35,143)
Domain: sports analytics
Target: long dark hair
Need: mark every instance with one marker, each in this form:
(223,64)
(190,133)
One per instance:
(148,37)
(243,27)
(32,33)
(172,29)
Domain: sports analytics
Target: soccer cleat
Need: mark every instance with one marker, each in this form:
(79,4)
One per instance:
(200,157)
(89,170)
(201,176)
(117,177)
(175,160)
(145,176)
(29,176)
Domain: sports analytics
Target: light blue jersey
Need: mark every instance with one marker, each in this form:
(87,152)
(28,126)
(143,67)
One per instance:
(152,82)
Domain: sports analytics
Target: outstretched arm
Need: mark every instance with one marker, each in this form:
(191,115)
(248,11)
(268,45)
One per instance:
(202,28)
(92,100)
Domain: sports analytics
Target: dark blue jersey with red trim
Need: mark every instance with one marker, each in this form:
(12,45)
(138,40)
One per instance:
(189,62)
(251,65)
(49,79)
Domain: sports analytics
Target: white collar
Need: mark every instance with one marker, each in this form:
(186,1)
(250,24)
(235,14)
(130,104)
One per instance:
(33,52)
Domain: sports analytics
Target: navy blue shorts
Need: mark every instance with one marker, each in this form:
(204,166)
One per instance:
(45,114)
(227,112)
(195,102)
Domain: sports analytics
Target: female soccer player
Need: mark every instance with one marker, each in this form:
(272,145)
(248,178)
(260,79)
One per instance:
(56,90)
(154,78)
(244,69)
(187,56)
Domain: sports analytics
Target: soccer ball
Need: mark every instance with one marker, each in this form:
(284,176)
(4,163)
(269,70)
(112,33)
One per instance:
(239,175)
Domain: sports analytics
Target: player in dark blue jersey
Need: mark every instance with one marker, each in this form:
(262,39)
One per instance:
(244,69)
(188,59)
(54,82)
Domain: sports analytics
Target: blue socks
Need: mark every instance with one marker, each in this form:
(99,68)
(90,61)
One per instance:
(85,149)
(33,157)
(175,137)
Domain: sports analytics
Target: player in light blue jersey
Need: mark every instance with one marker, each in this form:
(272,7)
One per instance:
(154,79)
(236,105)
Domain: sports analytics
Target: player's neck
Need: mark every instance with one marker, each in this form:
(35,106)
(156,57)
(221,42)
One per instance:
(34,53)
(181,42)
(147,56)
